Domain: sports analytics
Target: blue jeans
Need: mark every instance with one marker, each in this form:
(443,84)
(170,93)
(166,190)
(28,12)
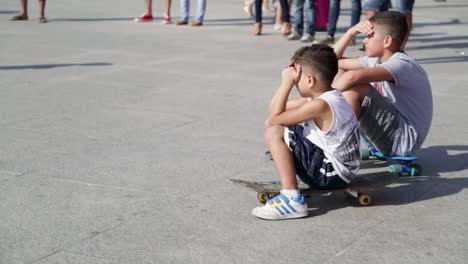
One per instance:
(284,10)
(335,13)
(185,6)
(377,5)
(299,17)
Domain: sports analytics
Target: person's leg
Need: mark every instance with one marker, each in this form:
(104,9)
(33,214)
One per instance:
(356,9)
(310,13)
(379,120)
(23,15)
(184,12)
(406,7)
(278,18)
(333,15)
(258,11)
(371,7)
(24,7)
(184,9)
(167,8)
(285,17)
(201,11)
(258,18)
(299,17)
(282,156)
(148,7)
(42,4)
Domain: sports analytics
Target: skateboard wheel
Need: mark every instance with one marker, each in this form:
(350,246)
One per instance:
(416,169)
(364,199)
(365,154)
(395,168)
(262,197)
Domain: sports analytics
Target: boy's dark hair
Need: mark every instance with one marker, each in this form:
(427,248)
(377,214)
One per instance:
(392,23)
(320,58)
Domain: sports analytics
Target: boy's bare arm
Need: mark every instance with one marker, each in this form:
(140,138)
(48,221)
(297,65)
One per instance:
(309,111)
(348,64)
(341,45)
(364,76)
(289,77)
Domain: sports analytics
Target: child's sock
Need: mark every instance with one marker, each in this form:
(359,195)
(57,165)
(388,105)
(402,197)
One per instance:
(293,194)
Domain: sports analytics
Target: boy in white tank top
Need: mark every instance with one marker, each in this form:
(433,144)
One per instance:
(315,136)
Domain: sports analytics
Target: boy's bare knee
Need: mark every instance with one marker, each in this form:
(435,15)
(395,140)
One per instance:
(274,133)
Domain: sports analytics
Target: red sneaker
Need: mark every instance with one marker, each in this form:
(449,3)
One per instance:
(144,18)
(166,20)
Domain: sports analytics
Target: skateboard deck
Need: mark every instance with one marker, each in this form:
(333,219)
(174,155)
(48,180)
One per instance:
(268,189)
(404,164)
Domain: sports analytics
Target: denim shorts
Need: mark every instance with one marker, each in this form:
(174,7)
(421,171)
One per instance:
(379,121)
(312,167)
(378,5)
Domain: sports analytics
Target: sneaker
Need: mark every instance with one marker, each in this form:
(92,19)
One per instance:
(308,38)
(294,36)
(282,207)
(277,27)
(328,40)
(144,18)
(167,20)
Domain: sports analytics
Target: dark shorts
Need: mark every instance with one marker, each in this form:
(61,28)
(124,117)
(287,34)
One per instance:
(312,167)
(379,121)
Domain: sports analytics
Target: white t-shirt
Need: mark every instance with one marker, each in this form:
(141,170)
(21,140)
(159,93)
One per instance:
(340,143)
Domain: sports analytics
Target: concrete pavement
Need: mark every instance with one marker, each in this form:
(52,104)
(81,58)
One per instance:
(117,138)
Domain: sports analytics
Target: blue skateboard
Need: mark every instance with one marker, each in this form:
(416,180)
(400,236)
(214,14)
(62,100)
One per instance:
(404,163)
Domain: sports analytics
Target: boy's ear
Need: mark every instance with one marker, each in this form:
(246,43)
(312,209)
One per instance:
(311,80)
(388,41)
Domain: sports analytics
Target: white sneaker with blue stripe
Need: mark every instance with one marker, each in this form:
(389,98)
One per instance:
(282,207)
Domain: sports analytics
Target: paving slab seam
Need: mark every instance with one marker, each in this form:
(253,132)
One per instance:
(98,185)
(356,240)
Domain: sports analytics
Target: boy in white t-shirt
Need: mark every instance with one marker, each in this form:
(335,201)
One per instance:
(315,136)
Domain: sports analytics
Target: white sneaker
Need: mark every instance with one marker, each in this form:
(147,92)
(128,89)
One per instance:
(277,27)
(308,38)
(282,207)
(294,36)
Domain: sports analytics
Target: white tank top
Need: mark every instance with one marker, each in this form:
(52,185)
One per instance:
(340,143)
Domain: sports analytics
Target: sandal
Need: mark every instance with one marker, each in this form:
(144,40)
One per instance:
(19,17)
(42,20)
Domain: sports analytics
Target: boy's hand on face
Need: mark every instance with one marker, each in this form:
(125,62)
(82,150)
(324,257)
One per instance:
(291,74)
(365,27)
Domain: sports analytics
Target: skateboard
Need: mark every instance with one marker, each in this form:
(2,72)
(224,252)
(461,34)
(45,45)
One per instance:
(269,189)
(404,163)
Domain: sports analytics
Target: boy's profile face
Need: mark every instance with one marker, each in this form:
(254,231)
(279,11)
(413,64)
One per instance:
(374,42)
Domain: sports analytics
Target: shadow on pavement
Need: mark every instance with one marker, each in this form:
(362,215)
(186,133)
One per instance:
(8,12)
(50,66)
(91,19)
(406,190)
